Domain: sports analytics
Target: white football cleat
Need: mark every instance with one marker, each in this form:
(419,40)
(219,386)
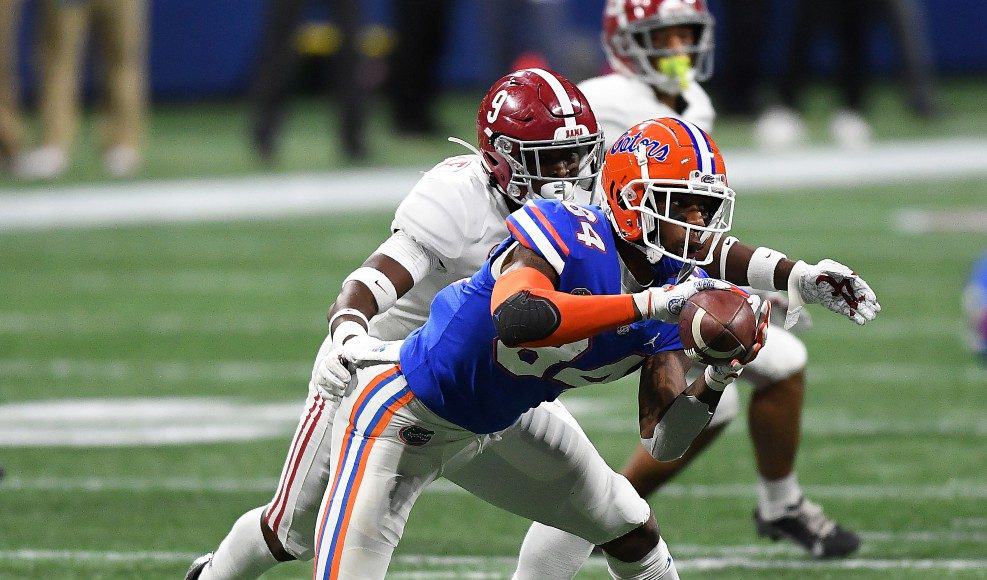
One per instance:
(850,130)
(780,127)
(195,570)
(46,162)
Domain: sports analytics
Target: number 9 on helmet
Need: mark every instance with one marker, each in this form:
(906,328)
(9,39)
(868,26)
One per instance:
(538,137)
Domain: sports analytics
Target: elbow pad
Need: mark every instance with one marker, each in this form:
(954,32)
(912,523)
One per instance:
(525,317)
(678,428)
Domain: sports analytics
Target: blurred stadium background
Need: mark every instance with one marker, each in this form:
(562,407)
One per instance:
(157,330)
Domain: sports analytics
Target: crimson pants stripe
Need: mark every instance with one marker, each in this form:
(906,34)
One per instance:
(297,453)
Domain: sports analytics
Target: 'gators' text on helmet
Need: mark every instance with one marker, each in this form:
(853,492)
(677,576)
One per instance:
(665,178)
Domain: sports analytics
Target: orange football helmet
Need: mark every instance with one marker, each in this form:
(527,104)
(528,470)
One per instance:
(650,171)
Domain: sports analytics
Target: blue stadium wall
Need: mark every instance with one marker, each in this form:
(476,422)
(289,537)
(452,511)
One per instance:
(207,48)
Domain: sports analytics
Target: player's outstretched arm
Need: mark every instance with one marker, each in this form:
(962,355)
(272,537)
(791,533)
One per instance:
(829,283)
(529,311)
(672,415)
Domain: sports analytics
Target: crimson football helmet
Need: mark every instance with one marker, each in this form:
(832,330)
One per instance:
(653,171)
(627,28)
(538,137)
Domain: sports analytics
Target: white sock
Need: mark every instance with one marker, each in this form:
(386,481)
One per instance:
(243,553)
(657,565)
(775,496)
(548,553)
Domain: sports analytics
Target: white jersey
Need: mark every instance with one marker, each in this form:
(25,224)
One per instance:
(620,102)
(458,218)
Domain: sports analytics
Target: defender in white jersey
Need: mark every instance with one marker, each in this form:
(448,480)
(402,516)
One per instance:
(658,52)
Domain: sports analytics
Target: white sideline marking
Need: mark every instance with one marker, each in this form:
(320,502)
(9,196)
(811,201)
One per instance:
(90,422)
(503,563)
(944,491)
(142,421)
(213,199)
(270,196)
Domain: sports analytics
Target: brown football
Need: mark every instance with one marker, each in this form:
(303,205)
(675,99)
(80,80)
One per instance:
(717,326)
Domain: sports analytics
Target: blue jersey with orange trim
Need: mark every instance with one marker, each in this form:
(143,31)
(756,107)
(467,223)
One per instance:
(458,368)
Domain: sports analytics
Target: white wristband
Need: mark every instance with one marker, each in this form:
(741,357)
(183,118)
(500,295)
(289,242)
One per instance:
(379,285)
(347,328)
(761,269)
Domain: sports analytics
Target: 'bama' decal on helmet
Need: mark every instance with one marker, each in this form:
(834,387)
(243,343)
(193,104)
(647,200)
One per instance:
(571,132)
(631,142)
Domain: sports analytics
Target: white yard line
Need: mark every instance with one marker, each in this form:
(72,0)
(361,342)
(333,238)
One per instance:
(901,492)
(273,196)
(144,421)
(497,566)
(244,370)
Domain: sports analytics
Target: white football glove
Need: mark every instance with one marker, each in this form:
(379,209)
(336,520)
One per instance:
(719,377)
(665,303)
(833,285)
(365,350)
(330,374)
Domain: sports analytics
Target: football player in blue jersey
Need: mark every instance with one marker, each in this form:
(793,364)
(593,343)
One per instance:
(975,304)
(576,296)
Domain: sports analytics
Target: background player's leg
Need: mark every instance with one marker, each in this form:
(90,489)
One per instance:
(775,414)
(774,419)
(283,531)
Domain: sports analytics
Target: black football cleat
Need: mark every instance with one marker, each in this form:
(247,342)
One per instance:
(195,570)
(805,524)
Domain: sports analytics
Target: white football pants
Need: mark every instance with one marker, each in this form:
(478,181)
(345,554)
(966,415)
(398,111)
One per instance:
(387,447)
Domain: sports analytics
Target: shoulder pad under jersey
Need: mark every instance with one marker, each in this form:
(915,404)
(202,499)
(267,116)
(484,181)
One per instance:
(446,204)
(551,229)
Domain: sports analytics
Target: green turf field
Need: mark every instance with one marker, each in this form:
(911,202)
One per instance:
(894,423)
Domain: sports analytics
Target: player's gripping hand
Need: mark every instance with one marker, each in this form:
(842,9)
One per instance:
(719,376)
(330,374)
(833,285)
(665,303)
